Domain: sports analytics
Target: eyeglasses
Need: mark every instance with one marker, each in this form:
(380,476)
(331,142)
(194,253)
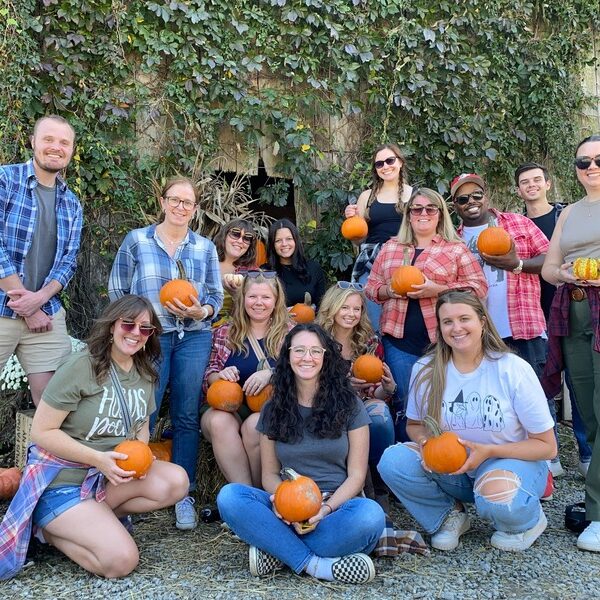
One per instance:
(254,273)
(145,329)
(314,351)
(464,199)
(387,161)
(417,210)
(174,202)
(236,234)
(585,162)
(350,285)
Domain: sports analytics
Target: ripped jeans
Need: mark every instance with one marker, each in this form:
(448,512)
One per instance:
(430,497)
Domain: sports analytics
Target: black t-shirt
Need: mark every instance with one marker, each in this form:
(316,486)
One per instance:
(547,223)
(294,286)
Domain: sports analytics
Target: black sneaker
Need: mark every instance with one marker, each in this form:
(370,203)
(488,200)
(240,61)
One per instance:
(261,563)
(354,568)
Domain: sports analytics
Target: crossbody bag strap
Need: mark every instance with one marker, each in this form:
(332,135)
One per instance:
(263,362)
(125,414)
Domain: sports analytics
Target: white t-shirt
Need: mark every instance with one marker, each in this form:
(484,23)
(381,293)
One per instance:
(497,403)
(497,299)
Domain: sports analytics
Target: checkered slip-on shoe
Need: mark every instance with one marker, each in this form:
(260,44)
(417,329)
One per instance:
(354,568)
(261,563)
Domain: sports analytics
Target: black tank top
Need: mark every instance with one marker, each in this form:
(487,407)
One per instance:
(384,222)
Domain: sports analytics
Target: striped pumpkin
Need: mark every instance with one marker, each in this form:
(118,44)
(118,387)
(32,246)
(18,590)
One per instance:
(586,268)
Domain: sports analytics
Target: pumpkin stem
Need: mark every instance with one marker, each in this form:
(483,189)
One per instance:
(135,429)
(432,425)
(288,473)
(406,258)
(307,299)
(181,270)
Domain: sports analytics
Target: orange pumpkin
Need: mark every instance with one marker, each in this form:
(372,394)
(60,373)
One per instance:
(9,482)
(405,276)
(297,498)
(256,402)
(368,367)
(303,312)
(261,253)
(355,228)
(586,268)
(162,450)
(443,453)
(225,395)
(180,289)
(494,241)
(139,457)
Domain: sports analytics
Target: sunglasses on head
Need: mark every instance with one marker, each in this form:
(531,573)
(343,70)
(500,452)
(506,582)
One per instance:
(417,210)
(236,234)
(254,273)
(386,161)
(350,285)
(585,162)
(145,328)
(464,199)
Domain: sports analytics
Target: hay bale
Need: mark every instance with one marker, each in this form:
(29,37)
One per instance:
(209,479)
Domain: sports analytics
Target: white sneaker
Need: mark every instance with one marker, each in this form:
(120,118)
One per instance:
(185,514)
(555,467)
(448,535)
(589,538)
(520,541)
(583,467)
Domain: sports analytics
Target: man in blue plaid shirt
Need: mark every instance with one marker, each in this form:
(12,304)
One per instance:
(40,229)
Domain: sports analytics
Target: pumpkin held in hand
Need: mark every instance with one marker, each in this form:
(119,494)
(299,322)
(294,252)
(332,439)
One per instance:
(494,241)
(303,312)
(442,453)
(180,289)
(586,268)
(139,457)
(405,276)
(297,498)
(225,395)
(368,367)
(9,482)
(355,228)
(256,402)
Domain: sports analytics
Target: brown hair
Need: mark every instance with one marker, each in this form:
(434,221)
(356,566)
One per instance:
(248,259)
(177,180)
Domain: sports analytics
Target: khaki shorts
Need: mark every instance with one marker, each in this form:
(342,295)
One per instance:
(37,352)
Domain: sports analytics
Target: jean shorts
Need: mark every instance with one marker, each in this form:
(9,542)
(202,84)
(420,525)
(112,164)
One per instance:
(54,502)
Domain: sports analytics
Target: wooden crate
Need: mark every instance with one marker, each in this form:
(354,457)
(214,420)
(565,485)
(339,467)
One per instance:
(22,430)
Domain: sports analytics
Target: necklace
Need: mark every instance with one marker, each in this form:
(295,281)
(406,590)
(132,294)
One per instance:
(168,240)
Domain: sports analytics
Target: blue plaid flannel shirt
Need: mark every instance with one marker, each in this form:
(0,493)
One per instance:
(18,213)
(142,266)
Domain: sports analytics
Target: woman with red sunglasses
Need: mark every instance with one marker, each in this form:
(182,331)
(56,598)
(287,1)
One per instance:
(73,492)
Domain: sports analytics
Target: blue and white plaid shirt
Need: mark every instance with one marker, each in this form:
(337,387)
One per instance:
(142,266)
(18,216)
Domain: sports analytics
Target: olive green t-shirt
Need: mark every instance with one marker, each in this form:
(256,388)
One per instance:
(94,417)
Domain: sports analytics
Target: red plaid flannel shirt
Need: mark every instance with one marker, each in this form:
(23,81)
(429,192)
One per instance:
(450,264)
(525,313)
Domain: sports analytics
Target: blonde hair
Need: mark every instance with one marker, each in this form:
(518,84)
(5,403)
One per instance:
(331,303)
(430,380)
(445,228)
(240,321)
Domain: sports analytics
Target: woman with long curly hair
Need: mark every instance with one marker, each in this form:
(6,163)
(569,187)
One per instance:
(382,205)
(343,315)
(285,255)
(316,425)
(79,496)
(257,327)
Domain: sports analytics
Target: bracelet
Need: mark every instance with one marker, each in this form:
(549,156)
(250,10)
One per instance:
(205,310)
(328,506)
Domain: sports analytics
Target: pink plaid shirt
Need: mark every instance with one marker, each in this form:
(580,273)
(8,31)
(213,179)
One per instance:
(450,264)
(525,313)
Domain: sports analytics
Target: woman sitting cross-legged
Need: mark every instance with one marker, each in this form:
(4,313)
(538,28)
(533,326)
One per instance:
(316,425)
(470,383)
(244,350)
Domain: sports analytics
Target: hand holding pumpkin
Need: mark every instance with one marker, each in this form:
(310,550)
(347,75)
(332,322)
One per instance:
(179,309)
(107,465)
(565,274)
(229,374)
(477,453)
(388,384)
(506,262)
(350,211)
(256,382)
(429,289)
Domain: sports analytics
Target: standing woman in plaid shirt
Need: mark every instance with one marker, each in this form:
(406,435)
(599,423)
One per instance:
(408,324)
(146,260)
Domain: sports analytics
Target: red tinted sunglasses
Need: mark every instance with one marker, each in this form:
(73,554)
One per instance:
(145,329)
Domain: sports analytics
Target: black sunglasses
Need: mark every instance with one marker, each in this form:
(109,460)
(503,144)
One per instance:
(464,199)
(236,234)
(585,162)
(388,161)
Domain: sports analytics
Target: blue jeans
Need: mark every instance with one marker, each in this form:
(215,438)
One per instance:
(353,527)
(373,309)
(182,366)
(585,451)
(400,364)
(381,429)
(430,497)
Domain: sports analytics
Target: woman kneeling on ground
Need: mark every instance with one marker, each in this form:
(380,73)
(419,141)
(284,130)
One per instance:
(83,510)
(471,383)
(316,425)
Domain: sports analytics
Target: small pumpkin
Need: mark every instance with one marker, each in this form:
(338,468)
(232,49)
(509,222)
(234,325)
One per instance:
(405,276)
(442,453)
(261,253)
(298,497)
(180,289)
(368,367)
(586,268)
(139,457)
(303,311)
(9,482)
(225,395)
(256,402)
(494,241)
(162,450)
(355,228)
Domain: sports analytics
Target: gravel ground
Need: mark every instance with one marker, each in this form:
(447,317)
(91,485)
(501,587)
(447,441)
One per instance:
(210,563)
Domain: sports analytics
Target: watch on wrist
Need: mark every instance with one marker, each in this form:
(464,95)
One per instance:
(517,270)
